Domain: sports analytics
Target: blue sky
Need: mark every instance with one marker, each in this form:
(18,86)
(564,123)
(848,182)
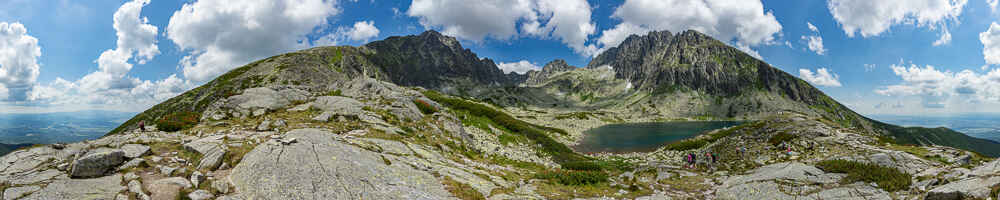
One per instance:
(877,57)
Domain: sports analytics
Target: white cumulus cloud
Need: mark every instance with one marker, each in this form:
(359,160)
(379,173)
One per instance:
(136,37)
(473,20)
(519,67)
(993,4)
(134,32)
(566,20)
(945,38)
(821,77)
(749,51)
(19,66)
(991,44)
(815,44)
(220,35)
(745,22)
(812,27)
(362,31)
(869,67)
(938,89)
(569,21)
(111,87)
(871,18)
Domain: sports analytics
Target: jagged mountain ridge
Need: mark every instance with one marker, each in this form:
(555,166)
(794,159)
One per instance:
(661,63)
(536,77)
(651,68)
(434,61)
(327,123)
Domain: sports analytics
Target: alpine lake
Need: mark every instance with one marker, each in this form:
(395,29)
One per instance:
(644,137)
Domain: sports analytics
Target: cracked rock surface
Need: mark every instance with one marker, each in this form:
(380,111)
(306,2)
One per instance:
(319,167)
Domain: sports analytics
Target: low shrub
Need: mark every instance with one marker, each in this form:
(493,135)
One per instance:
(581,166)
(336,92)
(560,153)
(177,121)
(698,142)
(598,165)
(685,145)
(576,115)
(781,137)
(572,177)
(887,178)
(425,107)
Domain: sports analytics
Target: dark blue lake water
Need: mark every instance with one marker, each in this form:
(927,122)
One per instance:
(642,137)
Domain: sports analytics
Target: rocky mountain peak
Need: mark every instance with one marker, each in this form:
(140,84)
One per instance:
(432,36)
(434,61)
(556,66)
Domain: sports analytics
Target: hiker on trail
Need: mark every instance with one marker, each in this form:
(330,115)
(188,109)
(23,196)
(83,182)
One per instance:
(687,160)
(742,151)
(694,160)
(708,160)
(142,126)
(714,158)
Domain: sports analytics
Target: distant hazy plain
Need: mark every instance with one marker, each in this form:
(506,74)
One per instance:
(986,126)
(67,127)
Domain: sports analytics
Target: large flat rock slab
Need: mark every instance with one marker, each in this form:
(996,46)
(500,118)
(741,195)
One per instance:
(97,163)
(96,188)
(967,188)
(319,167)
(211,149)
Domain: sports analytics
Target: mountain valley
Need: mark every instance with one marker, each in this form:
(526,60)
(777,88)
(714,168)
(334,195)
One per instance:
(421,117)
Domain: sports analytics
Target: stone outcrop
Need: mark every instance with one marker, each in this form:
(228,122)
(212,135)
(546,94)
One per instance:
(97,163)
(96,188)
(168,188)
(135,150)
(211,149)
(552,68)
(435,61)
(319,167)
(964,189)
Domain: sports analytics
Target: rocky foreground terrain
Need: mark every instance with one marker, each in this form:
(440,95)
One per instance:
(372,141)
(350,123)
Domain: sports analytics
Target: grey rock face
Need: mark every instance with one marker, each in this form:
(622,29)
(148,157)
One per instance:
(135,187)
(97,163)
(221,186)
(433,60)
(34,177)
(793,171)
(338,105)
(552,68)
(200,195)
(197,178)
(18,192)
(137,162)
(264,126)
(987,169)
(780,180)
(211,149)
(318,167)
(962,160)
(853,191)
(967,188)
(323,117)
(135,150)
(168,188)
(96,188)
(166,170)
